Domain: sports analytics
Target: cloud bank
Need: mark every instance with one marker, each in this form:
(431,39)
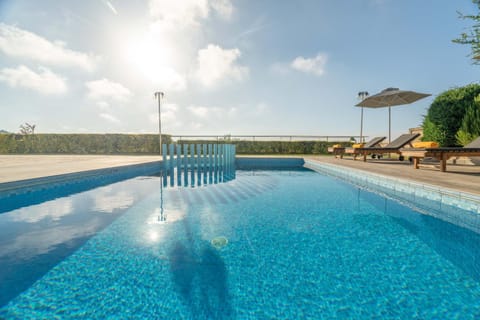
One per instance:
(44,81)
(20,43)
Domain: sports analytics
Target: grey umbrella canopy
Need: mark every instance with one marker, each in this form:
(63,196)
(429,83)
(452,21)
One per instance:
(391,97)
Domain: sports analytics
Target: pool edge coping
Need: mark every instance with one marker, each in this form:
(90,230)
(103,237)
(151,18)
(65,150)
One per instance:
(12,186)
(393,182)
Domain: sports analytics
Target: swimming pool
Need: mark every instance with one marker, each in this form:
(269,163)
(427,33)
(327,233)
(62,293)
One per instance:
(268,244)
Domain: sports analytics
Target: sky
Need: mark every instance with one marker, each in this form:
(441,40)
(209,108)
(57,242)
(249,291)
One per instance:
(244,67)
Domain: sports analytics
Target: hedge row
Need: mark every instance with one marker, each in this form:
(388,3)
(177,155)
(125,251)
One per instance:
(138,144)
(80,143)
(278,147)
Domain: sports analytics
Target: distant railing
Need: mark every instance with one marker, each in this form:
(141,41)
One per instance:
(229,137)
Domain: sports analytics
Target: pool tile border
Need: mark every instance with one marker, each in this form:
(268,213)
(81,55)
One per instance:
(454,206)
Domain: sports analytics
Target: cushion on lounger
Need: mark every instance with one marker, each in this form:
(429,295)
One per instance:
(337,146)
(358,145)
(425,144)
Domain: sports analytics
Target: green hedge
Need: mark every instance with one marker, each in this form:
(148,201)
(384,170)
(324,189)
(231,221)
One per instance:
(277,147)
(140,144)
(81,143)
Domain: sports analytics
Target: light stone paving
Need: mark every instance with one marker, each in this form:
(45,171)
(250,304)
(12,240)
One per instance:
(22,167)
(464,178)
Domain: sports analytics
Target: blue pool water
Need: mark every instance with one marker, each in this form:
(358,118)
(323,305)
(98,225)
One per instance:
(300,246)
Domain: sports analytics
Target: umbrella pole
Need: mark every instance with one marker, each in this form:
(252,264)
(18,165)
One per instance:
(389,127)
(389,124)
(361,126)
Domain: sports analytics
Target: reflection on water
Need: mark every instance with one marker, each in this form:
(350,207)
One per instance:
(53,210)
(197,270)
(200,276)
(35,237)
(108,200)
(195,165)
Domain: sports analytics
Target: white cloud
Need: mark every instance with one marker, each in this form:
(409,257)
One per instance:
(202,113)
(20,43)
(216,64)
(106,89)
(45,81)
(103,105)
(187,13)
(169,114)
(315,65)
(198,111)
(169,117)
(170,79)
(109,118)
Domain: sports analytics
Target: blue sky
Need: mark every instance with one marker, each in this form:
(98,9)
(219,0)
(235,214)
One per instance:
(226,67)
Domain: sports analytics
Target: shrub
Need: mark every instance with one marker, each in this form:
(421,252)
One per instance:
(446,113)
(470,128)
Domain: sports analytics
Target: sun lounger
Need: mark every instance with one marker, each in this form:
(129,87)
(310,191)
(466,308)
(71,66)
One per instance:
(355,150)
(336,149)
(443,154)
(392,147)
(341,151)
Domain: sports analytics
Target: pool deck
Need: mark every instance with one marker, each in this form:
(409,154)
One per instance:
(464,178)
(21,167)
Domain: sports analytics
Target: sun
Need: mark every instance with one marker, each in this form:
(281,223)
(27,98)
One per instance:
(148,56)
(154,60)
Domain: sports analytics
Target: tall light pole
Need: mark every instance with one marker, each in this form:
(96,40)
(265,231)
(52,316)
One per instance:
(159,95)
(362,95)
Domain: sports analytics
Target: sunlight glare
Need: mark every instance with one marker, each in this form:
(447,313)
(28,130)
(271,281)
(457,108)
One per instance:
(153,59)
(148,56)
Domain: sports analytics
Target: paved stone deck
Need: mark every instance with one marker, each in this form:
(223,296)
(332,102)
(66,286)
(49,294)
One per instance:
(22,167)
(458,177)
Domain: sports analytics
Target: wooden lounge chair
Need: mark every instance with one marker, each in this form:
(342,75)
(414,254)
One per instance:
(443,154)
(392,147)
(354,150)
(341,151)
(336,149)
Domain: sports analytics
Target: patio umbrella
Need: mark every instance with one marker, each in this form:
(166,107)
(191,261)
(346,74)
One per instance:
(391,97)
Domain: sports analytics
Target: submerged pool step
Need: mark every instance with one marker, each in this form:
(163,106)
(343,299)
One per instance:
(215,194)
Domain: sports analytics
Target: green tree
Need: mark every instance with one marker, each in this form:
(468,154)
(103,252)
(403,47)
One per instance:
(472,38)
(431,131)
(470,128)
(446,113)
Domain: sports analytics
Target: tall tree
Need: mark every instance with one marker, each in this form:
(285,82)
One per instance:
(472,37)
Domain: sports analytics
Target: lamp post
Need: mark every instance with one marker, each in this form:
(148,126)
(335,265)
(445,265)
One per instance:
(362,95)
(159,95)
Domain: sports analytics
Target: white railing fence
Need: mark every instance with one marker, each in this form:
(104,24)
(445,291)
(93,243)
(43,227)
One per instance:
(193,165)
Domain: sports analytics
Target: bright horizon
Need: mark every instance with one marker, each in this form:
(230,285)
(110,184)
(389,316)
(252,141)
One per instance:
(226,67)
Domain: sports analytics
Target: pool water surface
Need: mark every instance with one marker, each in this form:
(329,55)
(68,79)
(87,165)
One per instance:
(266,245)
